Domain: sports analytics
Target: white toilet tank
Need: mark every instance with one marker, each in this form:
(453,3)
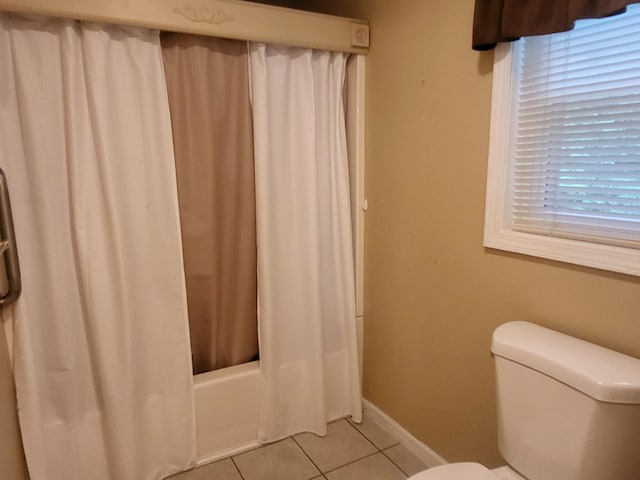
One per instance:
(567,409)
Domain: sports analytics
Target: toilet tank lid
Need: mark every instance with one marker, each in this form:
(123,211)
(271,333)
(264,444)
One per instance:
(596,371)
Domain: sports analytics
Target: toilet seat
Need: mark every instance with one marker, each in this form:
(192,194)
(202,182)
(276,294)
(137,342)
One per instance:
(456,471)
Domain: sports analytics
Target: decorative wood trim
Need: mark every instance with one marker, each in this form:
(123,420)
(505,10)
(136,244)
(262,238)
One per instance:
(356,148)
(208,14)
(218,18)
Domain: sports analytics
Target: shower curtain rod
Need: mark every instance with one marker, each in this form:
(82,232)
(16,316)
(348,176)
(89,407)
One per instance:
(219,18)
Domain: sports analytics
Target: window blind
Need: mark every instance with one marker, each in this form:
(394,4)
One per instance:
(576,141)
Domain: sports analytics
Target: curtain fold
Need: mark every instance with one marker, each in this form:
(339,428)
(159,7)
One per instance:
(208,85)
(306,290)
(507,20)
(100,334)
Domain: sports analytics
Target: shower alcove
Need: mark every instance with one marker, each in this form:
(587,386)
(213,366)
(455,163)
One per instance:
(226,400)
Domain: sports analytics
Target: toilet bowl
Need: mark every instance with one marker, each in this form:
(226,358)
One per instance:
(466,471)
(456,471)
(567,410)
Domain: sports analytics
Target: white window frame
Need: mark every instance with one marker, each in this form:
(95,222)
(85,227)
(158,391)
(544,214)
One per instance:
(498,233)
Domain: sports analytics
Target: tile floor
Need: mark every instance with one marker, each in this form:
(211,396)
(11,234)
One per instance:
(348,452)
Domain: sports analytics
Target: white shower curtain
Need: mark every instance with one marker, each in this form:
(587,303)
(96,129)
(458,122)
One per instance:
(306,312)
(100,337)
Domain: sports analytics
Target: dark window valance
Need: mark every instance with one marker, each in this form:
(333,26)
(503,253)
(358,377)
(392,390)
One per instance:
(507,20)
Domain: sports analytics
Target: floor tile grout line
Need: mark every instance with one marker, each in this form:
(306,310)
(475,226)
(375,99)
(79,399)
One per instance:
(307,455)
(362,434)
(391,460)
(378,450)
(348,463)
(319,473)
(355,425)
(323,474)
(351,463)
(237,468)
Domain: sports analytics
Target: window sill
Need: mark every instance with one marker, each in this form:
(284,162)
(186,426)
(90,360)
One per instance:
(604,257)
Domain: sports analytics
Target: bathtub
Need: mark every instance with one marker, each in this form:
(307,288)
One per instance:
(226,403)
(227,407)
(226,400)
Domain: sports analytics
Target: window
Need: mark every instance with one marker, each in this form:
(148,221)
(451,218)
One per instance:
(564,160)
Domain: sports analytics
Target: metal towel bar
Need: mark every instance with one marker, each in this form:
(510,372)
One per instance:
(8,248)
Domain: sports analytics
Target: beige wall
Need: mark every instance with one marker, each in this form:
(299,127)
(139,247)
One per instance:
(12,466)
(433,294)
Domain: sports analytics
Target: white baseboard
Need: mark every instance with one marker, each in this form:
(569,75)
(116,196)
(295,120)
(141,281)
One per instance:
(415,446)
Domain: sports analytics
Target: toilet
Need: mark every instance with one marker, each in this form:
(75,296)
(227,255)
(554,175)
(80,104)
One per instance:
(567,410)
